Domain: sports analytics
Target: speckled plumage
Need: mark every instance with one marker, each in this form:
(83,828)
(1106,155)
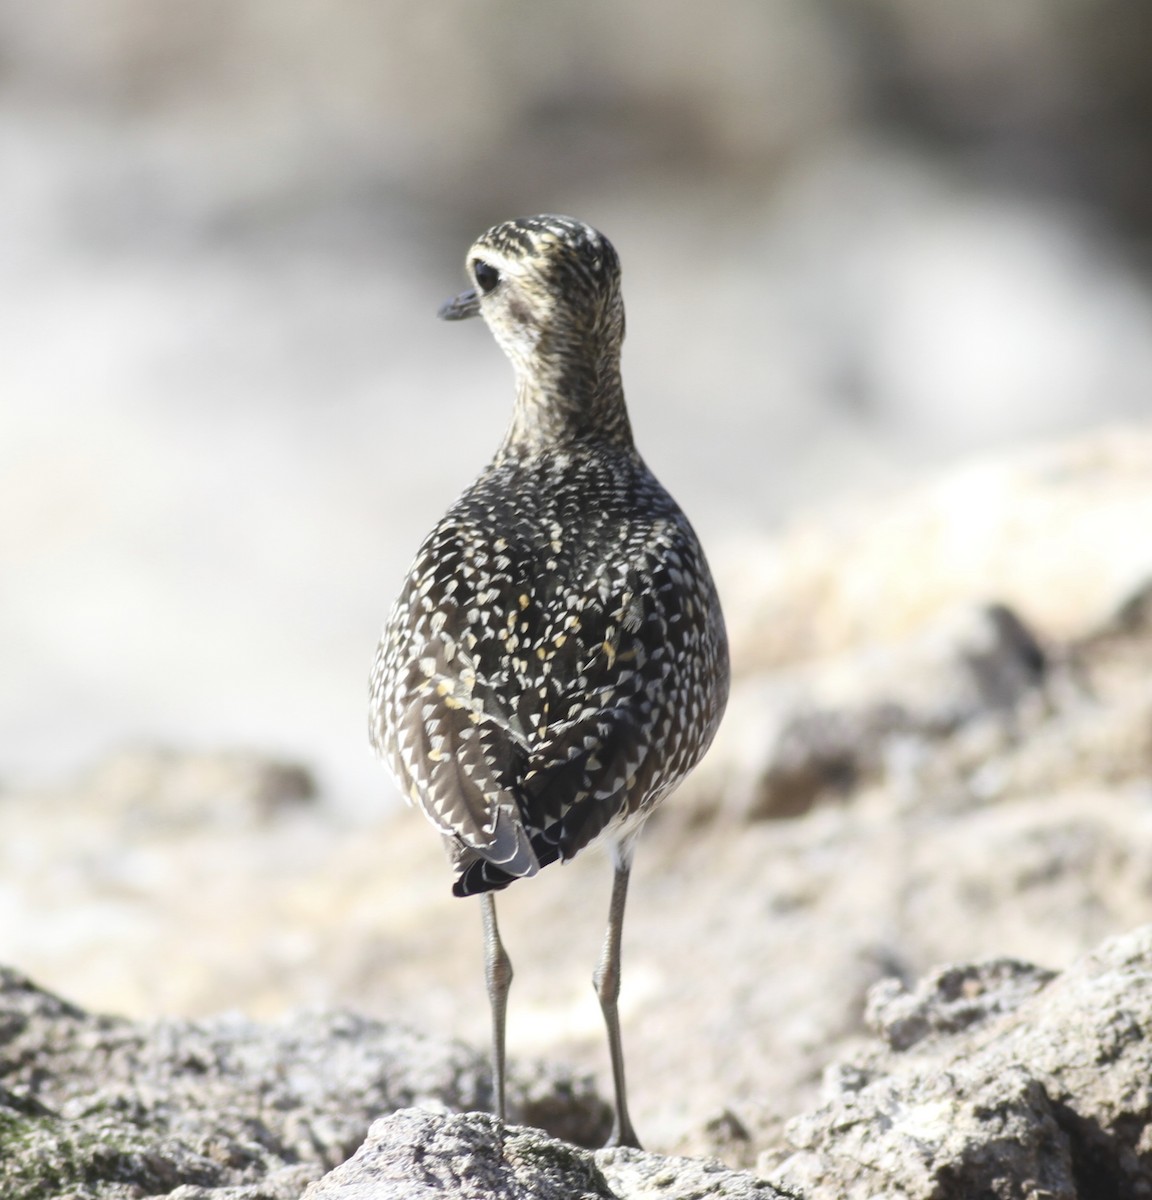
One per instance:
(556,661)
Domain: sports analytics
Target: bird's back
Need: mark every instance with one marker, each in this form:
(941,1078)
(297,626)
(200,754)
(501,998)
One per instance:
(555,663)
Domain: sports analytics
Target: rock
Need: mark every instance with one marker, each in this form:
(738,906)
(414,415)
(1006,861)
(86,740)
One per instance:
(950,999)
(635,1175)
(874,574)
(997,1080)
(115,1109)
(174,790)
(978,702)
(418,1155)
(838,724)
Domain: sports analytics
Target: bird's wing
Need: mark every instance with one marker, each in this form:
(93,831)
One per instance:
(614,740)
(452,760)
(442,717)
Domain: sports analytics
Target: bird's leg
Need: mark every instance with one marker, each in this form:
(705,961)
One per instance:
(498,976)
(606,981)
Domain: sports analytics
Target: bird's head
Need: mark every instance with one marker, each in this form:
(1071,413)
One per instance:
(549,289)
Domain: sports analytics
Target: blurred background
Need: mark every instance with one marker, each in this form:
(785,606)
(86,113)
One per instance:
(860,237)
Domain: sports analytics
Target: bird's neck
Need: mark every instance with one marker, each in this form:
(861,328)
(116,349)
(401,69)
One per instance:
(567,405)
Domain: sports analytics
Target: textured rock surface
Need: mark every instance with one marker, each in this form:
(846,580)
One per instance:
(109,1108)
(996,1079)
(413,1155)
(418,1155)
(999,1080)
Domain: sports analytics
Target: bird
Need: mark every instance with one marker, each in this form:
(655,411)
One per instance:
(556,661)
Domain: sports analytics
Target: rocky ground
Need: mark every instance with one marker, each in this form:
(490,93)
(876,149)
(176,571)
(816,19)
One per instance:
(938,751)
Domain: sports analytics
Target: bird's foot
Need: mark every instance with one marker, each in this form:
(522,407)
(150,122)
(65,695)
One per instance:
(623,1135)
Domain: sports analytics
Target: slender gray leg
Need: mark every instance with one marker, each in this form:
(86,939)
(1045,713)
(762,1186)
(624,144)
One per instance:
(498,976)
(606,981)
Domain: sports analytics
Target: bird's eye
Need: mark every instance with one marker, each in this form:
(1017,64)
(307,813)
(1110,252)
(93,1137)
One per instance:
(487,277)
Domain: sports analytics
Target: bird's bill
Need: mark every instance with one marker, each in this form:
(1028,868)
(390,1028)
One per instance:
(461,307)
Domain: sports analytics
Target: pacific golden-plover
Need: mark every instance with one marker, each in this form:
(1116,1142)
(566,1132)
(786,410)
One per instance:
(556,661)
